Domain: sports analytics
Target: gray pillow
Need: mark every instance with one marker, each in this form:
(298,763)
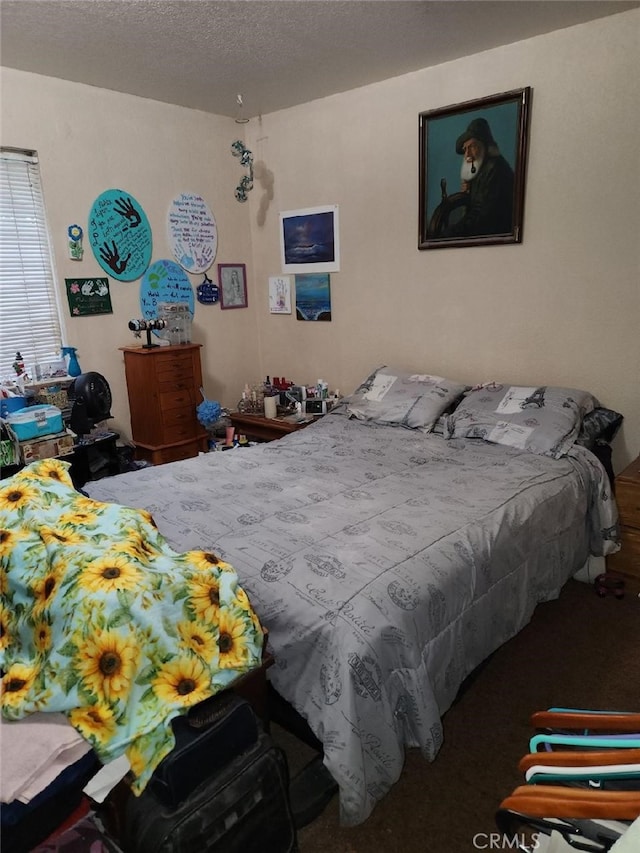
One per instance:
(545,420)
(397,397)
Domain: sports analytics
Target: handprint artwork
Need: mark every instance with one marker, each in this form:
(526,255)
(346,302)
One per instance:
(192,232)
(120,235)
(125,208)
(111,257)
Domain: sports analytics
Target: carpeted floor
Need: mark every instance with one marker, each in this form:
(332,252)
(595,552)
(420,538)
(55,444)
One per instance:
(580,651)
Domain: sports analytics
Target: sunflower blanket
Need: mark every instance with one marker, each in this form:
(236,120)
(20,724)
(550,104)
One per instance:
(102,620)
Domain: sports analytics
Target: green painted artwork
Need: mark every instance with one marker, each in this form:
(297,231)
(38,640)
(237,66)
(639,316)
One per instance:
(88,296)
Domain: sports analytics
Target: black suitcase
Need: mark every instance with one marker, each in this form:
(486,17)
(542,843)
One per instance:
(242,807)
(207,738)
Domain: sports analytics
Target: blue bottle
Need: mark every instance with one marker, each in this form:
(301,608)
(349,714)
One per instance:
(73,365)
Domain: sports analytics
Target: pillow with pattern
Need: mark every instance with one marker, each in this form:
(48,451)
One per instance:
(599,425)
(399,398)
(545,419)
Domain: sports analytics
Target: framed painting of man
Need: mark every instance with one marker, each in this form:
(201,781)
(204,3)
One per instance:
(472,167)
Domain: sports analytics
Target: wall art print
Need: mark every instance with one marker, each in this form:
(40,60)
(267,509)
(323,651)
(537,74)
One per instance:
(88,296)
(233,285)
(164,282)
(472,165)
(313,297)
(310,240)
(120,235)
(280,294)
(192,232)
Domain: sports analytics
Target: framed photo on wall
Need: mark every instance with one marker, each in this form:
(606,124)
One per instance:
(233,285)
(472,166)
(310,240)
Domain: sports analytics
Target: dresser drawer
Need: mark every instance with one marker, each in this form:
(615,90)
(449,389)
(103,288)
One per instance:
(179,416)
(627,560)
(176,400)
(178,432)
(174,368)
(174,453)
(628,501)
(183,383)
(180,451)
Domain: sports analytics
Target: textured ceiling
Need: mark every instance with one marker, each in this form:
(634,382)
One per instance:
(276,54)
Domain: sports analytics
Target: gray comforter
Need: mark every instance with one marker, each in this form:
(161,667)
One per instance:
(387,565)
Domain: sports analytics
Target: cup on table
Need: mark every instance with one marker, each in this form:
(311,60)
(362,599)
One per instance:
(270,407)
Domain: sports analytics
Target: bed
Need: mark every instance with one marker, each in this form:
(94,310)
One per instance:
(386,560)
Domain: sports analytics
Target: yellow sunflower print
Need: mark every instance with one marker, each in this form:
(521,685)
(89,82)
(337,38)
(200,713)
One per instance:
(137,759)
(9,539)
(5,628)
(79,517)
(136,546)
(16,684)
(46,587)
(81,503)
(199,639)
(54,470)
(110,573)
(232,640)
(202,559)
(17,496)
(4,581)
(107,662)
(242,601)
(204,598)
(94,722)
(42,636)
(183,681)
(58,536)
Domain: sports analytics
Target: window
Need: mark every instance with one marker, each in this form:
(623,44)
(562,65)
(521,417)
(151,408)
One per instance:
(30,320)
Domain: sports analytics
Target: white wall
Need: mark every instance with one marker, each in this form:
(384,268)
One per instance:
(563,307)
(90,140)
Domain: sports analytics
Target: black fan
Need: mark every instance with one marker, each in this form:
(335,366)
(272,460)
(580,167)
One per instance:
(90,396)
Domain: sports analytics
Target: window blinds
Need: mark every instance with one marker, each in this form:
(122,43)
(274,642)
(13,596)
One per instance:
(29,313)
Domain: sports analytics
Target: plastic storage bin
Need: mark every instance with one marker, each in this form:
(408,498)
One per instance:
(35,421)
(178,318)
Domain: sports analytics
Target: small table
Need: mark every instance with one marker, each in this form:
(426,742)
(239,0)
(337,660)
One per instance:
(94,456)
(627,493)
(259,428)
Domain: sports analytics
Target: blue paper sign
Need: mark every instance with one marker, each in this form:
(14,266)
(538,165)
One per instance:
(164,281)
(207,292)
(120,235)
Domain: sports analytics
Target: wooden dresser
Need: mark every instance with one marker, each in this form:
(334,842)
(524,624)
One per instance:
(627,560)
(164,384)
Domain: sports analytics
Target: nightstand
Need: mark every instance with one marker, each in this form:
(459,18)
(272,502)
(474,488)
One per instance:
(265,429)
(627,560)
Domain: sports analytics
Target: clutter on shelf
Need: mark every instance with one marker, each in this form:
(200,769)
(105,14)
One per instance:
(291,398)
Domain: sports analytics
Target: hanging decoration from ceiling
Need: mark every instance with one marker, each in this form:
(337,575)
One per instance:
(238,149)
(120,235)
(193,235)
